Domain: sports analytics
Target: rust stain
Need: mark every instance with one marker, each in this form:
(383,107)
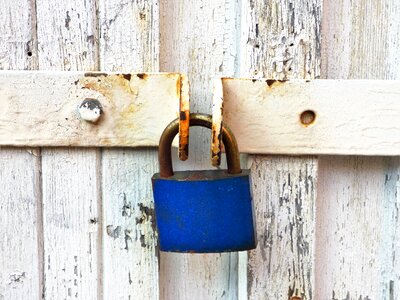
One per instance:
(127,76)
(182,87)
(106,142)
(307,118)
(120,103)
(142,76)
(179,88)
(129,111)
(271,82)
(217,124)
(173,75)
(95,74)
(216,148)
(109,85)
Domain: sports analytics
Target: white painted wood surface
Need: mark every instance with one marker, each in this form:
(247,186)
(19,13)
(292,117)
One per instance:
(129,41)
(357,212)
(358,225)
(70,217)
(357,240)
(130,268)
(20,224)
(70,236)
(198,38)
(41,109)
(21,262)
(282,265)
(351,117)
(280,39)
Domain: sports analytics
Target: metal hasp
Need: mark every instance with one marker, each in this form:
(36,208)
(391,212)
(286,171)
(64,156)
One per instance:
(203,211)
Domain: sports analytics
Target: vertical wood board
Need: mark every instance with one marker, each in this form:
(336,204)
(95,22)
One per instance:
(71,217)
(67,40)
(281,40)
(358,240)
(20,224)
(129,35)
(129,41)
(284,188)
(20,193)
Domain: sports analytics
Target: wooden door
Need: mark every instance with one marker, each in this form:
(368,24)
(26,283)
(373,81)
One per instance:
(78,222)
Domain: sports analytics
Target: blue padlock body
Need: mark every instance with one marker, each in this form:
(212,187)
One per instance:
(204,211)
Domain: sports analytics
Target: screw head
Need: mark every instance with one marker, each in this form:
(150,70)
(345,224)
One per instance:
(90,110)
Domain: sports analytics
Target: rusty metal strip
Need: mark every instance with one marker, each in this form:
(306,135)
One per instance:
(184,111)
(314,117)
(86,109)
(217,119)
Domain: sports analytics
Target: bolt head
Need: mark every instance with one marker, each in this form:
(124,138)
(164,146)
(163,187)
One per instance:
(90,110)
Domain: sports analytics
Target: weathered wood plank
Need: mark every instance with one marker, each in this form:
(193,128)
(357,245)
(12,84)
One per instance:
(20,194)
(137,107)
(280,39)
(20,224)
(351,117)
(357,228)
(41,108)
(67,35)
(284,188)
(129,35)
(70,177)
(18,45)
(70,217)
(129,40)
(130,240)
(358,241)
(200,39)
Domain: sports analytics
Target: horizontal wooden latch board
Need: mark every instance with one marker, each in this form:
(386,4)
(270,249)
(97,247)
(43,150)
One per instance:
(41,108)
(299,117)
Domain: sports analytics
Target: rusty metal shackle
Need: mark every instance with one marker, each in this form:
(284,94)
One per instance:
(203,120)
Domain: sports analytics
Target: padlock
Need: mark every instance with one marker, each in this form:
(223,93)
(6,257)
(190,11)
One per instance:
(203,211)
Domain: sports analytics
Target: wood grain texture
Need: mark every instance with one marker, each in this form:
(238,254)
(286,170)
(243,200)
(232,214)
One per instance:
(358,228)
(130,248)
(20,247)
(358,241)
(285,221)
(280,40)
(129,35)
(129,40)
(67,35)
(70,177)
(41,108)
(20,194)
(70,217)
(199,38)
(18,45)
(350,117)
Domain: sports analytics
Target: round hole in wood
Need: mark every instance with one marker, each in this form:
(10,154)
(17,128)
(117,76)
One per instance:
(307,117)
